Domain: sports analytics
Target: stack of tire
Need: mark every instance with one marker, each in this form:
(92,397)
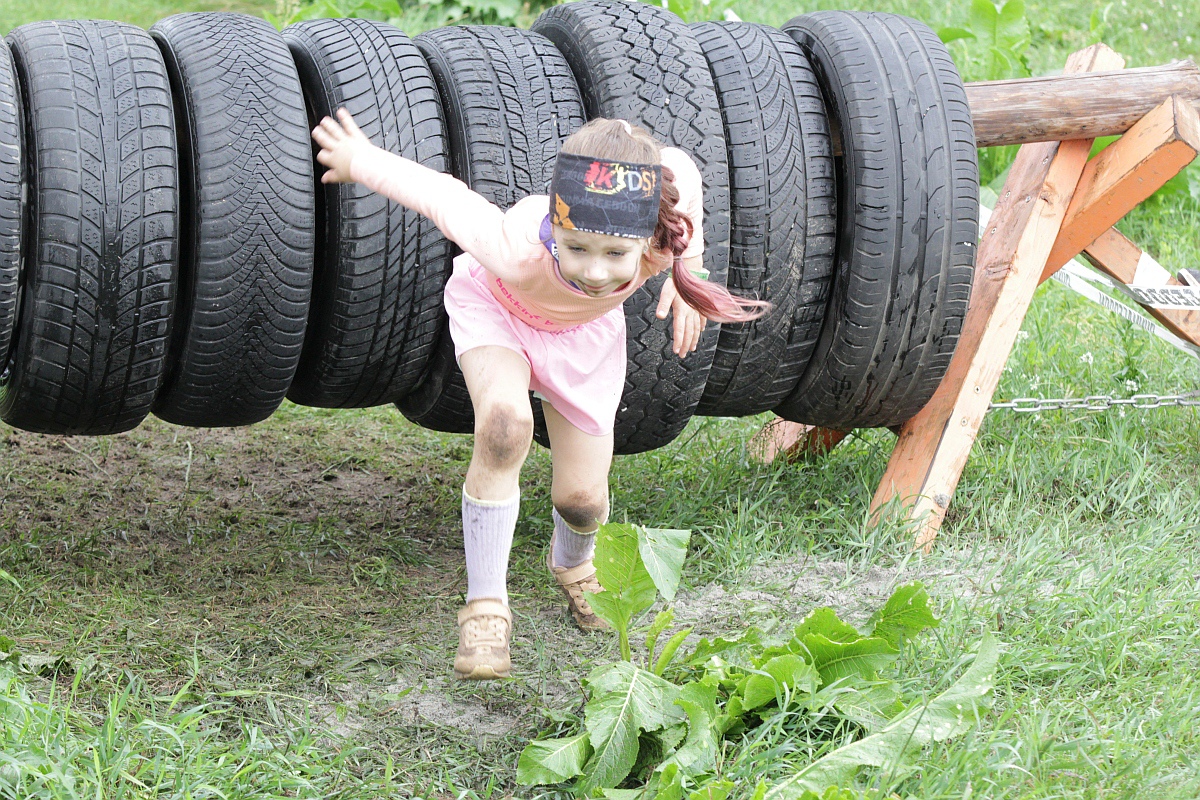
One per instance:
(166,245)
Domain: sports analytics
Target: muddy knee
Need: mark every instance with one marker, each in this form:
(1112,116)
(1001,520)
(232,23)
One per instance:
(584,510)
(503,434)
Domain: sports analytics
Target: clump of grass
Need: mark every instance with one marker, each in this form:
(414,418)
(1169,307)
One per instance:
(137,746)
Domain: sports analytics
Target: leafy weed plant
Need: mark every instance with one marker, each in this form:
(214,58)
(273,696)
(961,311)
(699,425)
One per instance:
(661,723)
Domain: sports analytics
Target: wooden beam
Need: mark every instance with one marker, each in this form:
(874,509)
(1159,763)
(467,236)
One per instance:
(1126,173)
(929,457)
(1064,107)
(1124,261)
(794,441)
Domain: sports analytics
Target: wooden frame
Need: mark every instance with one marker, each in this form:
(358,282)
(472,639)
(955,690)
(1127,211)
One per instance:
(1055,205)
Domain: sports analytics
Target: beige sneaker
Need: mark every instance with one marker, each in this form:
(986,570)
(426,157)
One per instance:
(574,581)
(484,628)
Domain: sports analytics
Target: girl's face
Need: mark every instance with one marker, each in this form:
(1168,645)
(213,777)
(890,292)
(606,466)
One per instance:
(597,263)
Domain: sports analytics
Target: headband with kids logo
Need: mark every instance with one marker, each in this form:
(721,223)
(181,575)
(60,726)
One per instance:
(600,195)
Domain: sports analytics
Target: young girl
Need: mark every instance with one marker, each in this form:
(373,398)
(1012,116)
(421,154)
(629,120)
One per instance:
(535,303)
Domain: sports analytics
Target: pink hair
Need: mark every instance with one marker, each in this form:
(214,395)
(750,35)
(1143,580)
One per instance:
(670,239)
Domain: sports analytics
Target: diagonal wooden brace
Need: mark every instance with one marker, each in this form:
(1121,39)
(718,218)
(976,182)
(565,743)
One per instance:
(929,457)
(1126,173)
(1124,261)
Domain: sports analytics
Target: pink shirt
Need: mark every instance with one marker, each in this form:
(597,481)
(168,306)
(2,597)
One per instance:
(522,274)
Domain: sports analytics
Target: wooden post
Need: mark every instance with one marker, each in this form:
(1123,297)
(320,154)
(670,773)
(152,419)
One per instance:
(1083,106)
(933,447)
(1126,173)
(793,441)
(1124,261)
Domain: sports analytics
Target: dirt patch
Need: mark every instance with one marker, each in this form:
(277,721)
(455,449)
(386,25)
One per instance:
(788,591)
(164,478)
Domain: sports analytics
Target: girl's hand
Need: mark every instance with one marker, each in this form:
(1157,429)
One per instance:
(689,323)
(340,142)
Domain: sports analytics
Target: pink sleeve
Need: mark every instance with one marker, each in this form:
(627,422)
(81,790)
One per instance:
(464,216)
(691,195)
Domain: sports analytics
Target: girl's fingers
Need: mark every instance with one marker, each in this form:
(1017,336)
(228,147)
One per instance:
(349,123)
(321,137)
(333,129)
(325,157)
(665,298)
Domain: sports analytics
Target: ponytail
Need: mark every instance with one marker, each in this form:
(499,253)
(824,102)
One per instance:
(670,239)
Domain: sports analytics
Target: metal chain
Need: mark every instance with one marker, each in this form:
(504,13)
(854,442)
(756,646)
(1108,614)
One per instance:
(1097,402)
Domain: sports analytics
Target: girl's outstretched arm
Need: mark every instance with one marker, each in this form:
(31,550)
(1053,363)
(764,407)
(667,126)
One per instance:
(464,216)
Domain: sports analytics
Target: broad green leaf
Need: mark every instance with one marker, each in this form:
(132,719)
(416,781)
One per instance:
(731,716)
(668,651)
(619,567)
(713,790)
(612,608)
(670,783)
(822,621)
(948,35)
(553,760)
(620,570)
(949,714)
(825,621)
(871,706)
(671,736)
(788,670)
(662,621)
(623,794)
(904,615)
(699,751)
(837,660)
(751,638)
(625,701)
(1002,34)
(662,551)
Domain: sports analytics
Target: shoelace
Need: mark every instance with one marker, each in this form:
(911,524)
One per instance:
(579,587)
(485,631)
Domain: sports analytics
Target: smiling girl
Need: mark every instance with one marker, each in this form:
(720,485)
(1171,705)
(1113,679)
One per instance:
(535,304)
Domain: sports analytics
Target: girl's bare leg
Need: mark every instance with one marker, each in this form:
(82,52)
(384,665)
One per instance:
(580,494)
(498,380)
(579,490)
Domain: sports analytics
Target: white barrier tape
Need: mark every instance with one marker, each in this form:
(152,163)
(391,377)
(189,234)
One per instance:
(1176,298)
(1149,272)
(1074,276)
(1077,277)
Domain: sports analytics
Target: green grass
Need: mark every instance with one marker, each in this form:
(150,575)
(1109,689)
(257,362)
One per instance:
(270,610)
(138,12)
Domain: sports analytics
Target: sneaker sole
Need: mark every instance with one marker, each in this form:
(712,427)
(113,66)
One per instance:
(483,672)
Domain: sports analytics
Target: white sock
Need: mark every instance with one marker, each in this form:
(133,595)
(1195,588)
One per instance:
(571,548)
(488,527)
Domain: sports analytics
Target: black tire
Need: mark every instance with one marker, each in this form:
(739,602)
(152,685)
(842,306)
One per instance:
(246,263)
(640,63)
(782,220)
(380,268)
(909,203)
(101,256)
(510,101)
(12,198)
